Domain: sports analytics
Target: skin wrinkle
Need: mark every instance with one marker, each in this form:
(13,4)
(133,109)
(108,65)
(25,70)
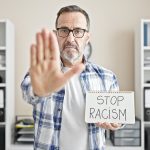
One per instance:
(71,48)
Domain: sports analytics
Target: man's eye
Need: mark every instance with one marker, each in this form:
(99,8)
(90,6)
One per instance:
(64,30)
(77,31)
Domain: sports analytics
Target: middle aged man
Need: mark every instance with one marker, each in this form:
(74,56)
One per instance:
(57,82)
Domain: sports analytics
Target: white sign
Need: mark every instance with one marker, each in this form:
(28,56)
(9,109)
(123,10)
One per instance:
(112,107)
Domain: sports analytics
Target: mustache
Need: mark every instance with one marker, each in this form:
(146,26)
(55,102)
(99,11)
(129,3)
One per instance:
(70,45)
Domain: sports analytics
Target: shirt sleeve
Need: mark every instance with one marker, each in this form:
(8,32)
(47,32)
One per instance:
(27,92)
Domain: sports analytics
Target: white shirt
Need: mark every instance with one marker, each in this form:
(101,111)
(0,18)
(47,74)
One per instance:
(74,132)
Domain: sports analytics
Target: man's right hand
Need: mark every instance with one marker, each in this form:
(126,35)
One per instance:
(45,70)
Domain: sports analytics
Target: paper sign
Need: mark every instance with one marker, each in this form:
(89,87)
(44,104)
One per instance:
(111,107)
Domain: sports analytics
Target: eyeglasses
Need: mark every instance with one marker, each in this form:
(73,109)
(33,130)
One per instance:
(77,32)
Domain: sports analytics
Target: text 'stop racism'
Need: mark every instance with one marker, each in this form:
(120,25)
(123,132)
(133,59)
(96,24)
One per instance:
(112,107)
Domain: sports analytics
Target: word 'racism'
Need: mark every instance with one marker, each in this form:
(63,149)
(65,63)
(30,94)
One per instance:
(112,109)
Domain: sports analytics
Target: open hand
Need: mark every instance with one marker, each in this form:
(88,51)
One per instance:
(45,70)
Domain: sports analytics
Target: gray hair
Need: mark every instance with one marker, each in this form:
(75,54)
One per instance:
(73,8)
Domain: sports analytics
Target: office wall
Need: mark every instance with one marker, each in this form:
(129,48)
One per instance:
(112,28)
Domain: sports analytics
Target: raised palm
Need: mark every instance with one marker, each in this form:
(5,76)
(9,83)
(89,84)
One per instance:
(45,71)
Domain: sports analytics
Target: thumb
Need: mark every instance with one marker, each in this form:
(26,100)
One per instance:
(74,70)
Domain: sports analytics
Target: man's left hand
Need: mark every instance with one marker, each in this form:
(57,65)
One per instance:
(110,126)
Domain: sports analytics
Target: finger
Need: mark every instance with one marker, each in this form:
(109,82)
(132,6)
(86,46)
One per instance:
(109,126)
(101,125)
(33,55)
(39,40)
(75,70)
(45,34)
(116,125)
(54,48)
(105,125)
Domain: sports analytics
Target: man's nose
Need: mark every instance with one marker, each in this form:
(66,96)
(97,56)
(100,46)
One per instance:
(70,37)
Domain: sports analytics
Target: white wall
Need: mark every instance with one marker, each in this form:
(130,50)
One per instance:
(112,27)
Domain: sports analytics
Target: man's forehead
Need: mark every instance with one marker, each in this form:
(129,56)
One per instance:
(72,19)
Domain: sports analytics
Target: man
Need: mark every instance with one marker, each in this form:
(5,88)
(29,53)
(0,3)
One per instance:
(57,82)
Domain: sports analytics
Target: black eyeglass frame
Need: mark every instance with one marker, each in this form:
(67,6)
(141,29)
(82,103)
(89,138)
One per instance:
(72,32)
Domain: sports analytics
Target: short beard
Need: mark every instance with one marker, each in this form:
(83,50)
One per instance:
(69,58)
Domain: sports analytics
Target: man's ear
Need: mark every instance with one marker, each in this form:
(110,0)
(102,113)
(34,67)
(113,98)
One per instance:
(88,38)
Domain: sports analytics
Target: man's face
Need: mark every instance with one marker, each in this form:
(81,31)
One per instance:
(71,48)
